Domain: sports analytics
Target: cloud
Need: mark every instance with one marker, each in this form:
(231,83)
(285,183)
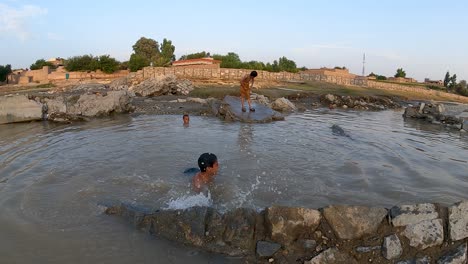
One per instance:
(15,20)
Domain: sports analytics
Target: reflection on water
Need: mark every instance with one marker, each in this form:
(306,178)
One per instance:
(55,179)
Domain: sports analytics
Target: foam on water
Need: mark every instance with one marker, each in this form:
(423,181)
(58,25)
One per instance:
(188,201)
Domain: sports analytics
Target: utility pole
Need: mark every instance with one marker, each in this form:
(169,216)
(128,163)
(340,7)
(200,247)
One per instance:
(364,65)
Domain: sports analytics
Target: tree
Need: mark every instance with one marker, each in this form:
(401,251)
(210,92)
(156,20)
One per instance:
(197,55)
(147,48)
(287,65)
(41,63)
(166,54)
(462,88)
(108,64)
(137,62)
(4,71)
(447,79)
(400,73)
(231,60)
(453,82)
(82,63)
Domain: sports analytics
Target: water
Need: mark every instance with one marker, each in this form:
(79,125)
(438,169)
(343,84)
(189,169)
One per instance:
(55,180)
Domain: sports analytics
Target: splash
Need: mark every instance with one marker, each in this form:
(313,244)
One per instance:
(188,201)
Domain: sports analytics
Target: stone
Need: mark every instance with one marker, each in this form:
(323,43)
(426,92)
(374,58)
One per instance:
(331,256)
(19,108)
(100,104)
(120,84)
(425,234)
(283,105)
(163,85)
(458,221)
(260,98)
(330,98)
(456,256)
(197,100)
(230,110)
(287,223)
(309,243)
(423,260)
(391,248)
(403,215)
(367,249)
(55,105)
(266,248)
(351,222)
(240,230)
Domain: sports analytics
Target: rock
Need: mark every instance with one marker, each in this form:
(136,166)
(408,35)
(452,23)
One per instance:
(351,222)
(240,230)
(163,85)
(403,215)
(287,223)
(330,98)
(458,221)
(260,98)
(266,248)
(457,256)
(230,110)
(55,105)
(425,234)
(331,256)
(391,248)
(197,100)
(367,249)
(120,84)
(283,105)
(309,243)
(423,260)
(89,87)
(345,107)
(19,108)
(100,104)
(338,131)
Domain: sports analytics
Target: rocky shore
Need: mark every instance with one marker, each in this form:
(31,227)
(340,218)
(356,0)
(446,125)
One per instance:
(411,233)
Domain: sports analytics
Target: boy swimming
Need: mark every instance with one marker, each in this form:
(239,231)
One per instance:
(208,163)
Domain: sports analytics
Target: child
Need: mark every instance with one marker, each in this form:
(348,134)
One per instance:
(186,119)
(245,89)
(208,163)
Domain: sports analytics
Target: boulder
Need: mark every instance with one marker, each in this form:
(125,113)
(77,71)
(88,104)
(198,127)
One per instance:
(286,224)
(260,98)
(391,248)
(230,110)
(425,234)
(283,105)
(163,85)
(120,84)
(100,104)
(240,230)
(403,215)
(197,100)
(456,256)
(458,221)
(19,108)
(266,248)
(331,256)
(423,260)
(351,222)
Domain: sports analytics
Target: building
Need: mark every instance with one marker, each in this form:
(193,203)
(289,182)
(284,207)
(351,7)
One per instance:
(434,82)
(56,61)
(198,63)
(330,72)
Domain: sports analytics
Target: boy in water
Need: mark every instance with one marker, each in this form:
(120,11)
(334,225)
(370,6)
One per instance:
(246,85)
(208,163)
(186,119)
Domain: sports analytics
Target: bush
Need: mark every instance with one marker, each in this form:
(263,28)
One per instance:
(108,64)
(41,63)
(137,62)
(104,63)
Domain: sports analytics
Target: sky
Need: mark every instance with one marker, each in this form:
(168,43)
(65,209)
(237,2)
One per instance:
(424,37)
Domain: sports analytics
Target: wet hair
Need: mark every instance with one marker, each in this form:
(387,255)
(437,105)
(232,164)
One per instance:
(206,160)
(185,115)
(253,74)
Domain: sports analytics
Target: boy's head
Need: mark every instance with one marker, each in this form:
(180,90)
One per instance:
(186,119)
(208,162)
(253,74)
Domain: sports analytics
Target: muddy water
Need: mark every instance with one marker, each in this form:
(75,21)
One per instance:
(55,180)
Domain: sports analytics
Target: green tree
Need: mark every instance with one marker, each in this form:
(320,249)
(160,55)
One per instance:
(147,48)
(108,64)
(285,64)
(197,55)
(4,71)
(82,63)
(462,88)
(400,73)
(231,60)
(137,62)
(453,82)
(166,54)
(41,63)
(447,79)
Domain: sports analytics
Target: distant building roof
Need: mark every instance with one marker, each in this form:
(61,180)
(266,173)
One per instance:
(196,62)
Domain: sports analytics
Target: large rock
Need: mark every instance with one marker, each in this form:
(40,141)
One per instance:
(391,248)
(163,85)
(287,223)
(100,104)
(403,215)
(351,222)
(283,105)
(423,260)
(458,221)
(425,234)
(239,233)
(230,110)
(267,248)
(457,256)
(331,256)
(19,108)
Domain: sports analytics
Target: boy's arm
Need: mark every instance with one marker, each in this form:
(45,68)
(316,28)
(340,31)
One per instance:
(251,86)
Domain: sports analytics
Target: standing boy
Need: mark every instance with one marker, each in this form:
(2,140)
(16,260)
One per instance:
(246,85)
